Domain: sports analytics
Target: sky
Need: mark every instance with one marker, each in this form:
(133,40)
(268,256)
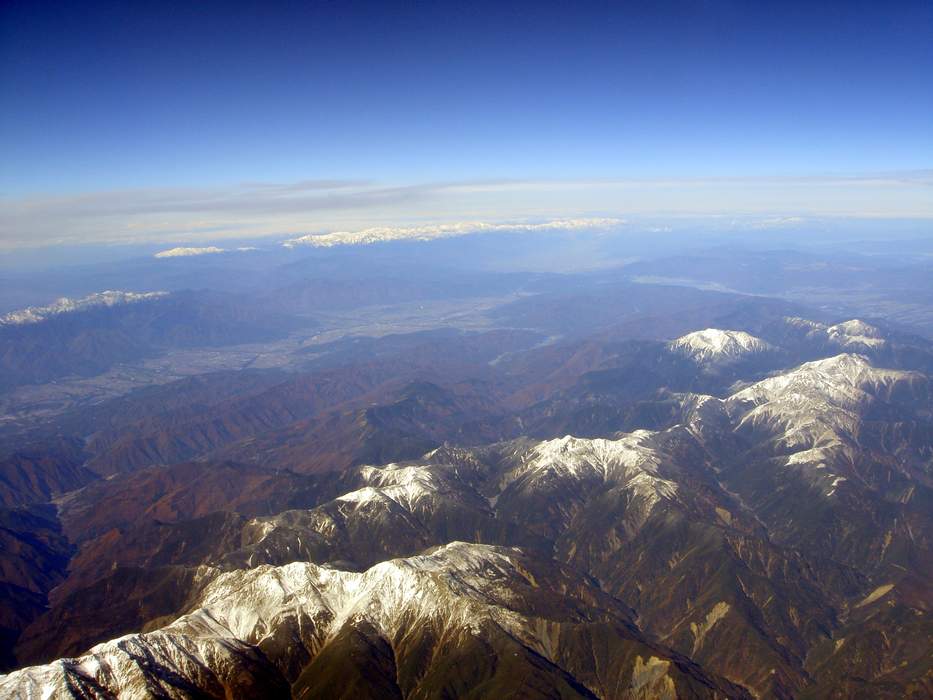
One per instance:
(185,121)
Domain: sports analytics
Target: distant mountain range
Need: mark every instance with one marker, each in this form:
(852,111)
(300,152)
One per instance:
(86,336)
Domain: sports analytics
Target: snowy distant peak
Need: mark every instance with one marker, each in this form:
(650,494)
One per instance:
(855,333)
(208,250)
(188,252)
(855,327)
(852,334)
(429,232)
(37,314)
(803,323)
(713,344)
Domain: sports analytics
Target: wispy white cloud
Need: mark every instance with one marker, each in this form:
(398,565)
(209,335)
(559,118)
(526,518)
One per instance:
(189,214)
(192,216)
(775,222)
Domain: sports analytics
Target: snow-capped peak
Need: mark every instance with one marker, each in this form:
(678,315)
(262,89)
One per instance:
(460,586)
(405,484)
(855,327)
(404,495)
(408,486)
(630,462)
(36,314)
(819,402)
(855,333)
(584,456)
(714,344)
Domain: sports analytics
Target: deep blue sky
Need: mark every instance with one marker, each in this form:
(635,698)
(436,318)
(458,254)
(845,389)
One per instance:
(99,96)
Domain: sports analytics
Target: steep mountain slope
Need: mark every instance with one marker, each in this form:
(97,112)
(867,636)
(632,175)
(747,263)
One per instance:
(642,508)
(808,447)
(395,424)
(230,413)
(33,559)
(41,474)
(402,628)
(882,649)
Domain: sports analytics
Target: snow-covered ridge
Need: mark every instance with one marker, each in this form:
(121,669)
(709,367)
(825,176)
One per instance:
(853,334)
(714,344)
(630,462)
(459,587)
(835,379)
(204,659)
(37,314)
(406,496)
(811,413)
(804,324)
(429,232)
(583,456)
(819,403)
(400,494)
(406,485)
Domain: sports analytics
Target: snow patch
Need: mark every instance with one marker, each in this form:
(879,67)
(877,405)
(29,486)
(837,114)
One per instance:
(651,680)
(712,617)
(876,594)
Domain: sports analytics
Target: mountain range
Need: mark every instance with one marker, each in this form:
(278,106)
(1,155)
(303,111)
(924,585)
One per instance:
(739,510)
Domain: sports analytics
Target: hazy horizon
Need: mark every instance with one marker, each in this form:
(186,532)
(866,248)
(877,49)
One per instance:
(161,124)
